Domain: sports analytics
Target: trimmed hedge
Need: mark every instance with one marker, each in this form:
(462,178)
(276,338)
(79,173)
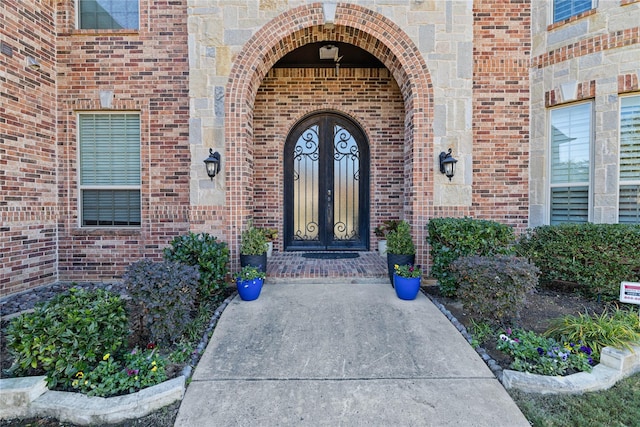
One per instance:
(493,289)
(593,258)
(451,238)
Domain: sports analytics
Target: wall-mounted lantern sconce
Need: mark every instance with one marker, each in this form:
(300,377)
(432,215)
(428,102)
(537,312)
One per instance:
(33,63)
(212,163)
(447,164)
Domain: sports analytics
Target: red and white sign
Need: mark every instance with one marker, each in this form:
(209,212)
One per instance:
(630,292)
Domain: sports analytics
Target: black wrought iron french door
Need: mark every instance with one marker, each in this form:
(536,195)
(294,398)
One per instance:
(326,175)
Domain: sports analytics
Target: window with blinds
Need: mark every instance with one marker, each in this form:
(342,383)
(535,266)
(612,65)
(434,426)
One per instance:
(108,14)
(570,164)
(109,169)
(629,196)
(565,9)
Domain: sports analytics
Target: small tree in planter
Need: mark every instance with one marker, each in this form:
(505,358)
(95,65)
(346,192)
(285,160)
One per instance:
(253,248)
(271,234)
(400,248)
(381,232)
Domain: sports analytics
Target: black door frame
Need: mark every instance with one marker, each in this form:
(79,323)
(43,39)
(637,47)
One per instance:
(325,121)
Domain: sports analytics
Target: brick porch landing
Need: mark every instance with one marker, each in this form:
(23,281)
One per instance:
(292,266)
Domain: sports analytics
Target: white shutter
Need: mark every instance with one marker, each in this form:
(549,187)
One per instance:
(570,148)
(629,196)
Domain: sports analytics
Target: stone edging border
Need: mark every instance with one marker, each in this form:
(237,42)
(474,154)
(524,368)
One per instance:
(27,397)
(615,364)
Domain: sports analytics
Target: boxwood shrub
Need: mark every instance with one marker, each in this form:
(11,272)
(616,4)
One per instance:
(204,251)
(594,258)
(493,289)
(451,238)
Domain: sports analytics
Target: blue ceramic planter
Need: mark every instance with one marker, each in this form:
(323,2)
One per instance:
(249,290)
(406,287)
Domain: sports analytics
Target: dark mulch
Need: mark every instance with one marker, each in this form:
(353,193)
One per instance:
(541,307)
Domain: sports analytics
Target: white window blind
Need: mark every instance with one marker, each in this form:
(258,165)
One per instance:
(570,163)
(565,9)
(629,196)
(110,169)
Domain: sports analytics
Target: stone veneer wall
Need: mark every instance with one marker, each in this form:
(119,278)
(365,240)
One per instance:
(28,153)
(595,57)
(370,95)
(427,46)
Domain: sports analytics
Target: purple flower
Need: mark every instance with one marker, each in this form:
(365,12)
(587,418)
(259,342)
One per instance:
(585,349)
(132,372)
(508,331)
(540,351)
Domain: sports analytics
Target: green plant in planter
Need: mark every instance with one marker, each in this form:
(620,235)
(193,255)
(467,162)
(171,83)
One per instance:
(408,271)
(253,241)
(399,241)
(250,272)
(386,227)
(270,234)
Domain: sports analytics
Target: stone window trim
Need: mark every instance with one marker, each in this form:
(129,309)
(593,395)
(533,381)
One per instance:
(106,231)
(598,43)
(105,32)
(572,92)
(572,19)
(628,82)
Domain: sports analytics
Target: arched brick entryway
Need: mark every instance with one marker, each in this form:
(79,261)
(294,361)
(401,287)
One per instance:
(355,25)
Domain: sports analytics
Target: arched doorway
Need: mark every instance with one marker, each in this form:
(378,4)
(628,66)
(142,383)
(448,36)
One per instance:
(361,27)
(326,185)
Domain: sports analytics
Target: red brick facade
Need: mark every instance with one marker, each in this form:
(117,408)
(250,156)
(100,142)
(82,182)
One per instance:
(287,95)
(501,52)
(148,72)
(28,157)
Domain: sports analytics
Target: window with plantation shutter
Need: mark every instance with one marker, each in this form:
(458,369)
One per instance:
(570,163)
(108,14)
(109,169)
(565,9)
(629,196)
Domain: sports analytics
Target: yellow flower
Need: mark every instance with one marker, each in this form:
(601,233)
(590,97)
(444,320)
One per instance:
(75,383)
(106,356)
(153,363)
(155,368)
(79,374)
(86,382)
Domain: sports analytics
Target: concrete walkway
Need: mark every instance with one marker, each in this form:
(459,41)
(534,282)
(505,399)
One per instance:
(341,355)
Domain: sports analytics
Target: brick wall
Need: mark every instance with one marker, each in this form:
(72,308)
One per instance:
(147,70)
(28,200)
(501,51)
(287,95)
